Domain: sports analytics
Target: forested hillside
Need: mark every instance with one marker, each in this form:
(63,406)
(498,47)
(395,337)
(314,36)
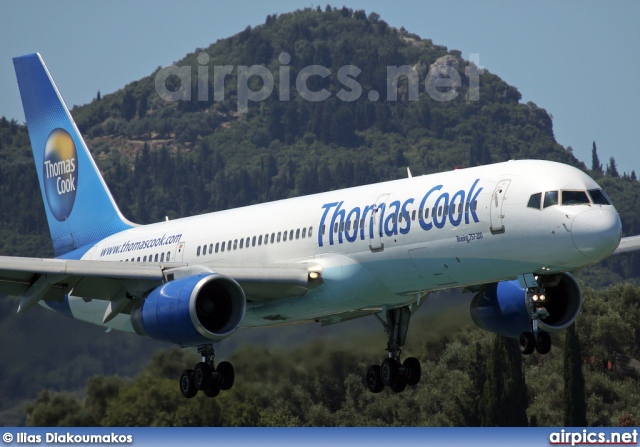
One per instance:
(182,158)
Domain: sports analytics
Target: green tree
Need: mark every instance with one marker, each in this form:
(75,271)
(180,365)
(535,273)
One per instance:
(128,105)
(505,397)
(596,166)
(575,407)
(612,169)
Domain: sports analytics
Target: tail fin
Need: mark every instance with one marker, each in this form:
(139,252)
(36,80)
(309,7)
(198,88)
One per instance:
(80,209)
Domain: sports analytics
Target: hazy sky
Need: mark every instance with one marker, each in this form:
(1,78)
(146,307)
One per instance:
(578,60)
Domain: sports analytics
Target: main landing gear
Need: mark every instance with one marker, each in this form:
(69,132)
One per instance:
(536,339)
(391,372)
(206,377)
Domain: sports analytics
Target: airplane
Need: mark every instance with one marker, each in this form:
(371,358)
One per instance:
(510,233)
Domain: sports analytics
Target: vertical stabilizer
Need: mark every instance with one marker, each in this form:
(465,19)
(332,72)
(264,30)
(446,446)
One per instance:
(80,209)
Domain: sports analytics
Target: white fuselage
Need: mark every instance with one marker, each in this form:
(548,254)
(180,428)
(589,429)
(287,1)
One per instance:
(378,245)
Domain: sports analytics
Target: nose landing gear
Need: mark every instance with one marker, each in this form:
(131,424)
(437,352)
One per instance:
(537,340)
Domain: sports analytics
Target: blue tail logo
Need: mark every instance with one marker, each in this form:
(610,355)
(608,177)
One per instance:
(80,209)
(60,173)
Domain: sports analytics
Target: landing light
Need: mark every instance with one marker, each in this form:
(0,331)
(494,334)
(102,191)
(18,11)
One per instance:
(542,297)
(314,275)
(534,297)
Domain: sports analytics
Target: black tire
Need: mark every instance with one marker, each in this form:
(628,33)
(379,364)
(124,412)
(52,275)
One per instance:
(226,375)
(413,371)
(374,382)
(202,376)
(187,388)
(389,371)
(398,386)
(212,390)
(527,343)
(543,345)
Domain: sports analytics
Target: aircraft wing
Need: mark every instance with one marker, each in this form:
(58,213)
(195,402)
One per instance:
(35,279)
(627,245)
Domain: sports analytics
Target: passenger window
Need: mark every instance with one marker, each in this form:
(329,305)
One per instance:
(421,210)
(550,198)
(260,240)
(335,227)
(156,258)
(279,233)
(204,250)
(599,197)
(534,200)
(198,251)
(138,258)
(426,213)
(235,244)
(475,205)
(168,256)
(266,239)
(348,225)
(222,248)
(248,242)
(253,241)
(433,212)
(242,243)
(311,230)
(162,258)
(341,227)
(466,207)
(361,225)
(446,210)
(575,198)
(144,259)
(439,211)
(413,215)
(298,233)
(304,232)
(210,248)
(217,246)
(321,230)
(273,237)
(284,237)
(291,235)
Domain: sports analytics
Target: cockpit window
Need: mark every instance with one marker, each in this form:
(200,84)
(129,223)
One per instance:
(534,201)
(550,198)
(575,198)
(599,197)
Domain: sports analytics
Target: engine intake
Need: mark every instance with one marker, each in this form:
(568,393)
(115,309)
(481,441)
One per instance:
(191,311)
(501,307)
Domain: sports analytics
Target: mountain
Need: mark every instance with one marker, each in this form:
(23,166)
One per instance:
(178,158)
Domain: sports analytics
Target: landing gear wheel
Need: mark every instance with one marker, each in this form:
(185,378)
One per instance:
(389,371)
(212,390)
(374,381)
(527,343)
(187,387)
(202,376)
(398,386)
(413,371)
(226,375)
(543,345)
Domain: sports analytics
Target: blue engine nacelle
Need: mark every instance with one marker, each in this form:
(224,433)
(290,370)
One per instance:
(501,307)
(191,311)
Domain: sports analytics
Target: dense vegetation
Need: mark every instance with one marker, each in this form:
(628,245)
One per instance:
(181,158)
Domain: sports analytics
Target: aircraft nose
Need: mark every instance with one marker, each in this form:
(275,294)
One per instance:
(596,233)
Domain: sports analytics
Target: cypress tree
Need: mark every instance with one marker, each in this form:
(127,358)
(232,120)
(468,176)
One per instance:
(596,166)
(505,397)
(575,407)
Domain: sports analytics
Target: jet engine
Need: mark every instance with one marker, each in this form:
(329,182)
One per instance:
(191,311)
(502,307)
